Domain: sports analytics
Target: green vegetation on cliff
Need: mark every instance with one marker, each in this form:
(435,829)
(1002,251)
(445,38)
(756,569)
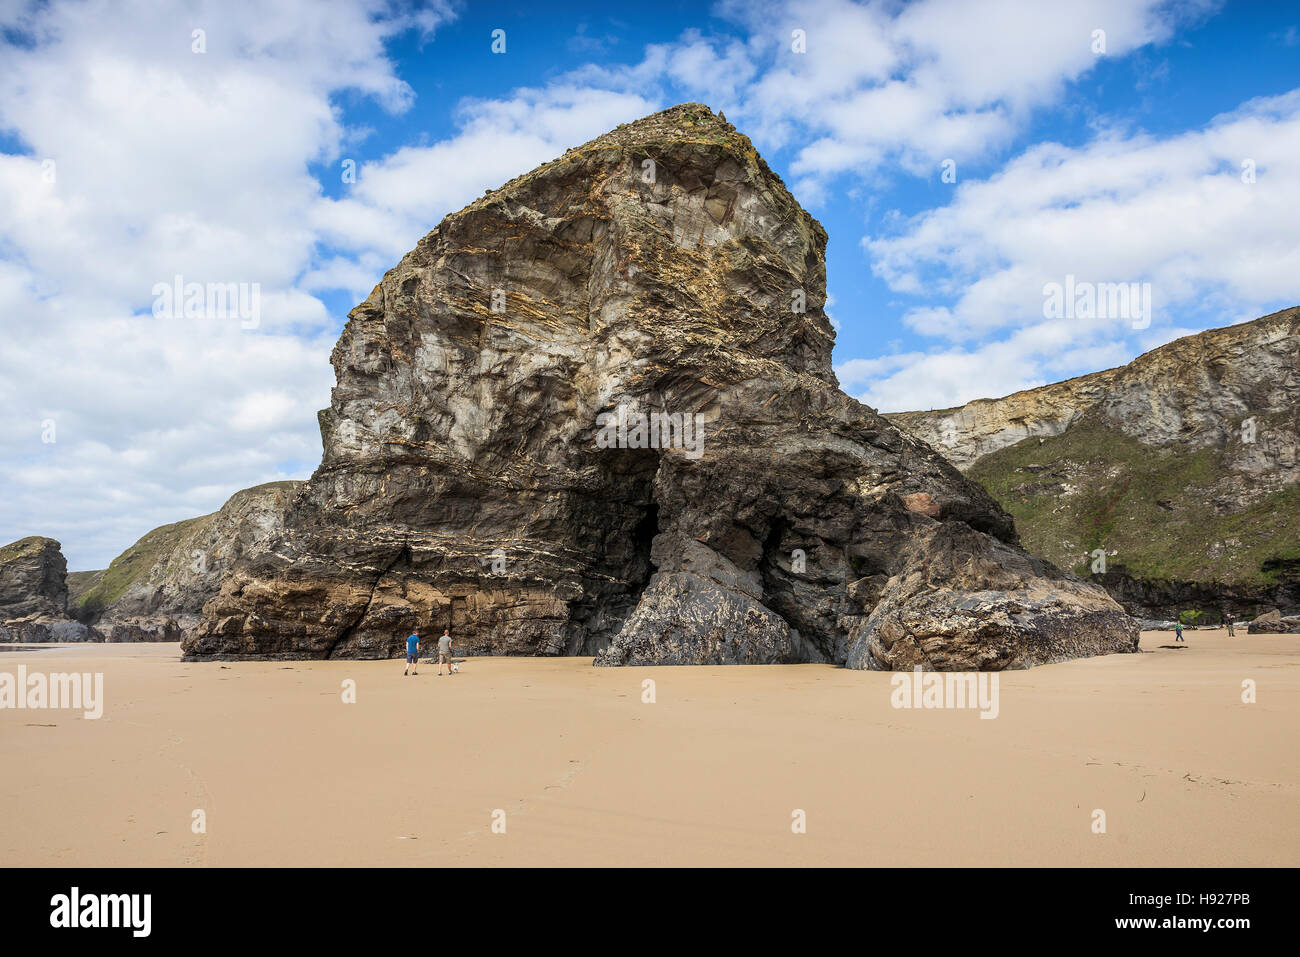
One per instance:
(24,548)
(161,560)
(135,564)
(1167,513)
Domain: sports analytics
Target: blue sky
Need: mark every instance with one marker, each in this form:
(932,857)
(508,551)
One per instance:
(128,157)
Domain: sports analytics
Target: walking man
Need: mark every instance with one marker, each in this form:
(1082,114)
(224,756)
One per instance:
(1232,632)
(1178,632)
(444,652)
(412,653)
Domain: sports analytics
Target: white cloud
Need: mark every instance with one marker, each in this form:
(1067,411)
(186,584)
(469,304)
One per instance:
(910,84)
(167,162)
(1173,212)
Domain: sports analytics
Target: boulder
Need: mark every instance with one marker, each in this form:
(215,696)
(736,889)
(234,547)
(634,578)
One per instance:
(39,629)
(964,602)
(140,629)
(1274,623)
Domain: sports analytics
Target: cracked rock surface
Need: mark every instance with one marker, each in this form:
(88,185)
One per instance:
(660,268)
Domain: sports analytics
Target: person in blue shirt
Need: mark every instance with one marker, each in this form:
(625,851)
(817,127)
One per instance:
(412,653)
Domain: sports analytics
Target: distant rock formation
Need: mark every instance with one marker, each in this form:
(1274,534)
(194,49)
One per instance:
(489,464)
(1182,466)
(156,589)
(1273,623)
(34,594)
(33,578)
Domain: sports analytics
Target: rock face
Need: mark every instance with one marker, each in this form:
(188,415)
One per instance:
(42,629)
(1183,467)
(1273,623)
(34,594)
(488,464)
(156,589)
(1198,391)
(33,579)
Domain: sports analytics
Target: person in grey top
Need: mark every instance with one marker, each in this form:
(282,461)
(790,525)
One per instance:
(444,652)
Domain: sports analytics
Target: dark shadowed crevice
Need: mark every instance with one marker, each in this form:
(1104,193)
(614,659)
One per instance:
(622,525)
(781,590)
(403,553)
(643,537)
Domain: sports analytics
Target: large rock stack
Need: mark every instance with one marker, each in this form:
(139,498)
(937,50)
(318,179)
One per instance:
(487,465)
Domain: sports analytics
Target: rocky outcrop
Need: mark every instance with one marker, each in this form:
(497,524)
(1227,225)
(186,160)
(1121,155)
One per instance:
(962,603)
(157,588)
(1213,598)
(34,594)
(41,629)
(1183,467)
(1274,623)
(594,413)
(33,579)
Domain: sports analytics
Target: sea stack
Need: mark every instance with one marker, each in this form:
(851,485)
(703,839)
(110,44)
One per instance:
(593,413)
(34,594)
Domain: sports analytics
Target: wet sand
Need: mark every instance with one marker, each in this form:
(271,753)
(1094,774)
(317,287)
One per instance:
(586,773)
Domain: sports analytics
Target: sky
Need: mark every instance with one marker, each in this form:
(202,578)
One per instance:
(964,156)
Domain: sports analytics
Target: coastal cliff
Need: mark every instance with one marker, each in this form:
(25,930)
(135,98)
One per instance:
(593,413)
(1183,467)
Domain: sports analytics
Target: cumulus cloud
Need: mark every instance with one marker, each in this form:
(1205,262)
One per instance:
(140,159)
(1205,217)
(852,86)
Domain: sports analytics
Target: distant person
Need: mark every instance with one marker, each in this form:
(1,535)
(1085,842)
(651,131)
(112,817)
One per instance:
(444,652)
(1178,632)
(1232,632)
(412,653)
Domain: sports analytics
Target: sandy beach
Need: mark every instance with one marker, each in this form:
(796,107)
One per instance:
(712,773)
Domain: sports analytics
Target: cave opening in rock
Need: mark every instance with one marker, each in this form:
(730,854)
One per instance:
(620,529)
(643,537)
(788,586)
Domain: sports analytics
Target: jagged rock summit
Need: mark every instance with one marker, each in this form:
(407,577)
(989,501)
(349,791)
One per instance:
(34,594)
(33,578)
(495,460)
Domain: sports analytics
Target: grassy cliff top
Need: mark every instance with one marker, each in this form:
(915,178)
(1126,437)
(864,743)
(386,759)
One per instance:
(134,565)
(26,547)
